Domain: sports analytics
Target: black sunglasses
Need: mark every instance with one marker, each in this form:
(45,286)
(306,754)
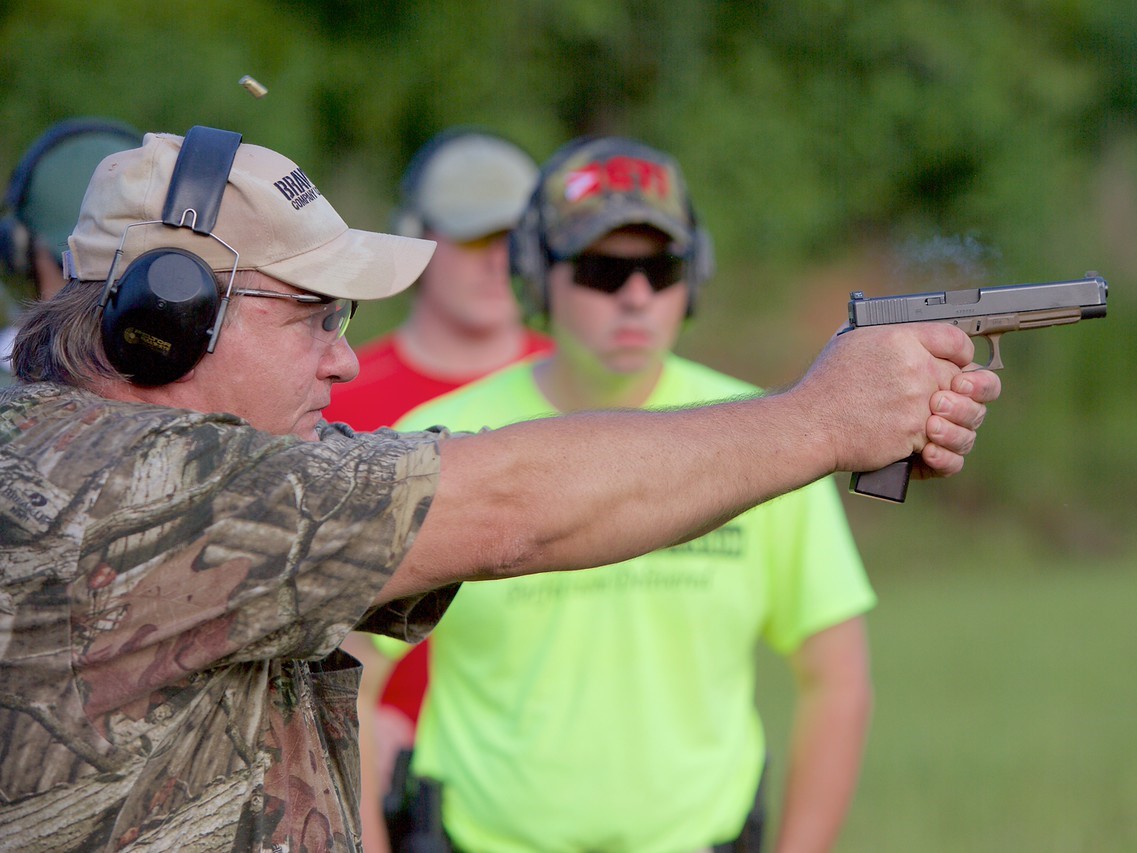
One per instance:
(608,273)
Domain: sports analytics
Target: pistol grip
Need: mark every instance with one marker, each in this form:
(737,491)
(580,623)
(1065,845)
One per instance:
(889,483)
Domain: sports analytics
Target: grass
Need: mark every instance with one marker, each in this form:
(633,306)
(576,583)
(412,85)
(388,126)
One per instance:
(1006,696)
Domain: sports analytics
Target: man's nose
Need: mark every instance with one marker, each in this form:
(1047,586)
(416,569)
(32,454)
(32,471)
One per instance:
(637,290)
(341,363)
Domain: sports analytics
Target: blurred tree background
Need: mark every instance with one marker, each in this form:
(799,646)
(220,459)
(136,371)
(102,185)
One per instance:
(830,146)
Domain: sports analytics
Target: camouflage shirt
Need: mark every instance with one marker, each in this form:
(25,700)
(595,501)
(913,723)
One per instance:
(173,589)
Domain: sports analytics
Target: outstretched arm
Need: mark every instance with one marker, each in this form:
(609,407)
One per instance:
(592,489)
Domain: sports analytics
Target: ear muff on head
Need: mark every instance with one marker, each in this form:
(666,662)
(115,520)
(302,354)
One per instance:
(17,242)
(156,324)
(164,313)
(406,220)
(407,223)
(529,259)
(16,247)
(700,263)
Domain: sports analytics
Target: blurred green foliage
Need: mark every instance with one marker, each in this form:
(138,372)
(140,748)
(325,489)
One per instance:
(829,146)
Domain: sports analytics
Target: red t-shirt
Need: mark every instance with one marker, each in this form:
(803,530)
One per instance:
(386,388)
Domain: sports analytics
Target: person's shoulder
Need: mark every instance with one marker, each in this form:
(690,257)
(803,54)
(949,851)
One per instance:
(88,430)
(536,343)
(693,382)
(485,400)
(20,402)
(45,403)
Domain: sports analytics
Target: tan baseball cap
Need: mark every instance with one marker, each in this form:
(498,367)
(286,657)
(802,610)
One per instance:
(271,213)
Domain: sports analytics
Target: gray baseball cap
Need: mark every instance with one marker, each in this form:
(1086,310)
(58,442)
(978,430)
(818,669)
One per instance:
(464,185)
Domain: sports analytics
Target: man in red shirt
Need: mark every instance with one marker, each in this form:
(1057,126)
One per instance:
(464,189)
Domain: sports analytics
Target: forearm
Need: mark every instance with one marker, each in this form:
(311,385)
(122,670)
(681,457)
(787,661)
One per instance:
(830,726)
(597,488)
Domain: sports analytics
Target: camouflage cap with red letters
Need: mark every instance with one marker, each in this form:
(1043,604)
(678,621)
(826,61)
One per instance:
(598,185)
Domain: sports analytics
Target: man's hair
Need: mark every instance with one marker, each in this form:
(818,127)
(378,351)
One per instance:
(60,340)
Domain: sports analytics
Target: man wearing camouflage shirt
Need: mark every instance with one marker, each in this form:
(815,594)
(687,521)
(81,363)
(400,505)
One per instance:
(180,557)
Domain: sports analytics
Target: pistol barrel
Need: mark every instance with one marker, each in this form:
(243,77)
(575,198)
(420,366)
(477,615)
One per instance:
(1088,294)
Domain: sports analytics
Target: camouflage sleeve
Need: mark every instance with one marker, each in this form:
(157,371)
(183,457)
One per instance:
(226,544)
(408,619)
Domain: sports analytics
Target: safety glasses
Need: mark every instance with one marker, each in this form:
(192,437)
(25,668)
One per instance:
(328,324)
(608,273)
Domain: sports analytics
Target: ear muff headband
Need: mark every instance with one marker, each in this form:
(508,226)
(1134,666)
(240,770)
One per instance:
(164,313)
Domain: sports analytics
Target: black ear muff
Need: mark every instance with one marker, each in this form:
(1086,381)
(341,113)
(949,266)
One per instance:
(16,247)
(529,260)
(406,220)
(700,262)
(164,313)
(156,323)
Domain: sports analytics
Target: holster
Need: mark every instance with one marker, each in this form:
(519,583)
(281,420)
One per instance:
(412,810)
(750,840)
